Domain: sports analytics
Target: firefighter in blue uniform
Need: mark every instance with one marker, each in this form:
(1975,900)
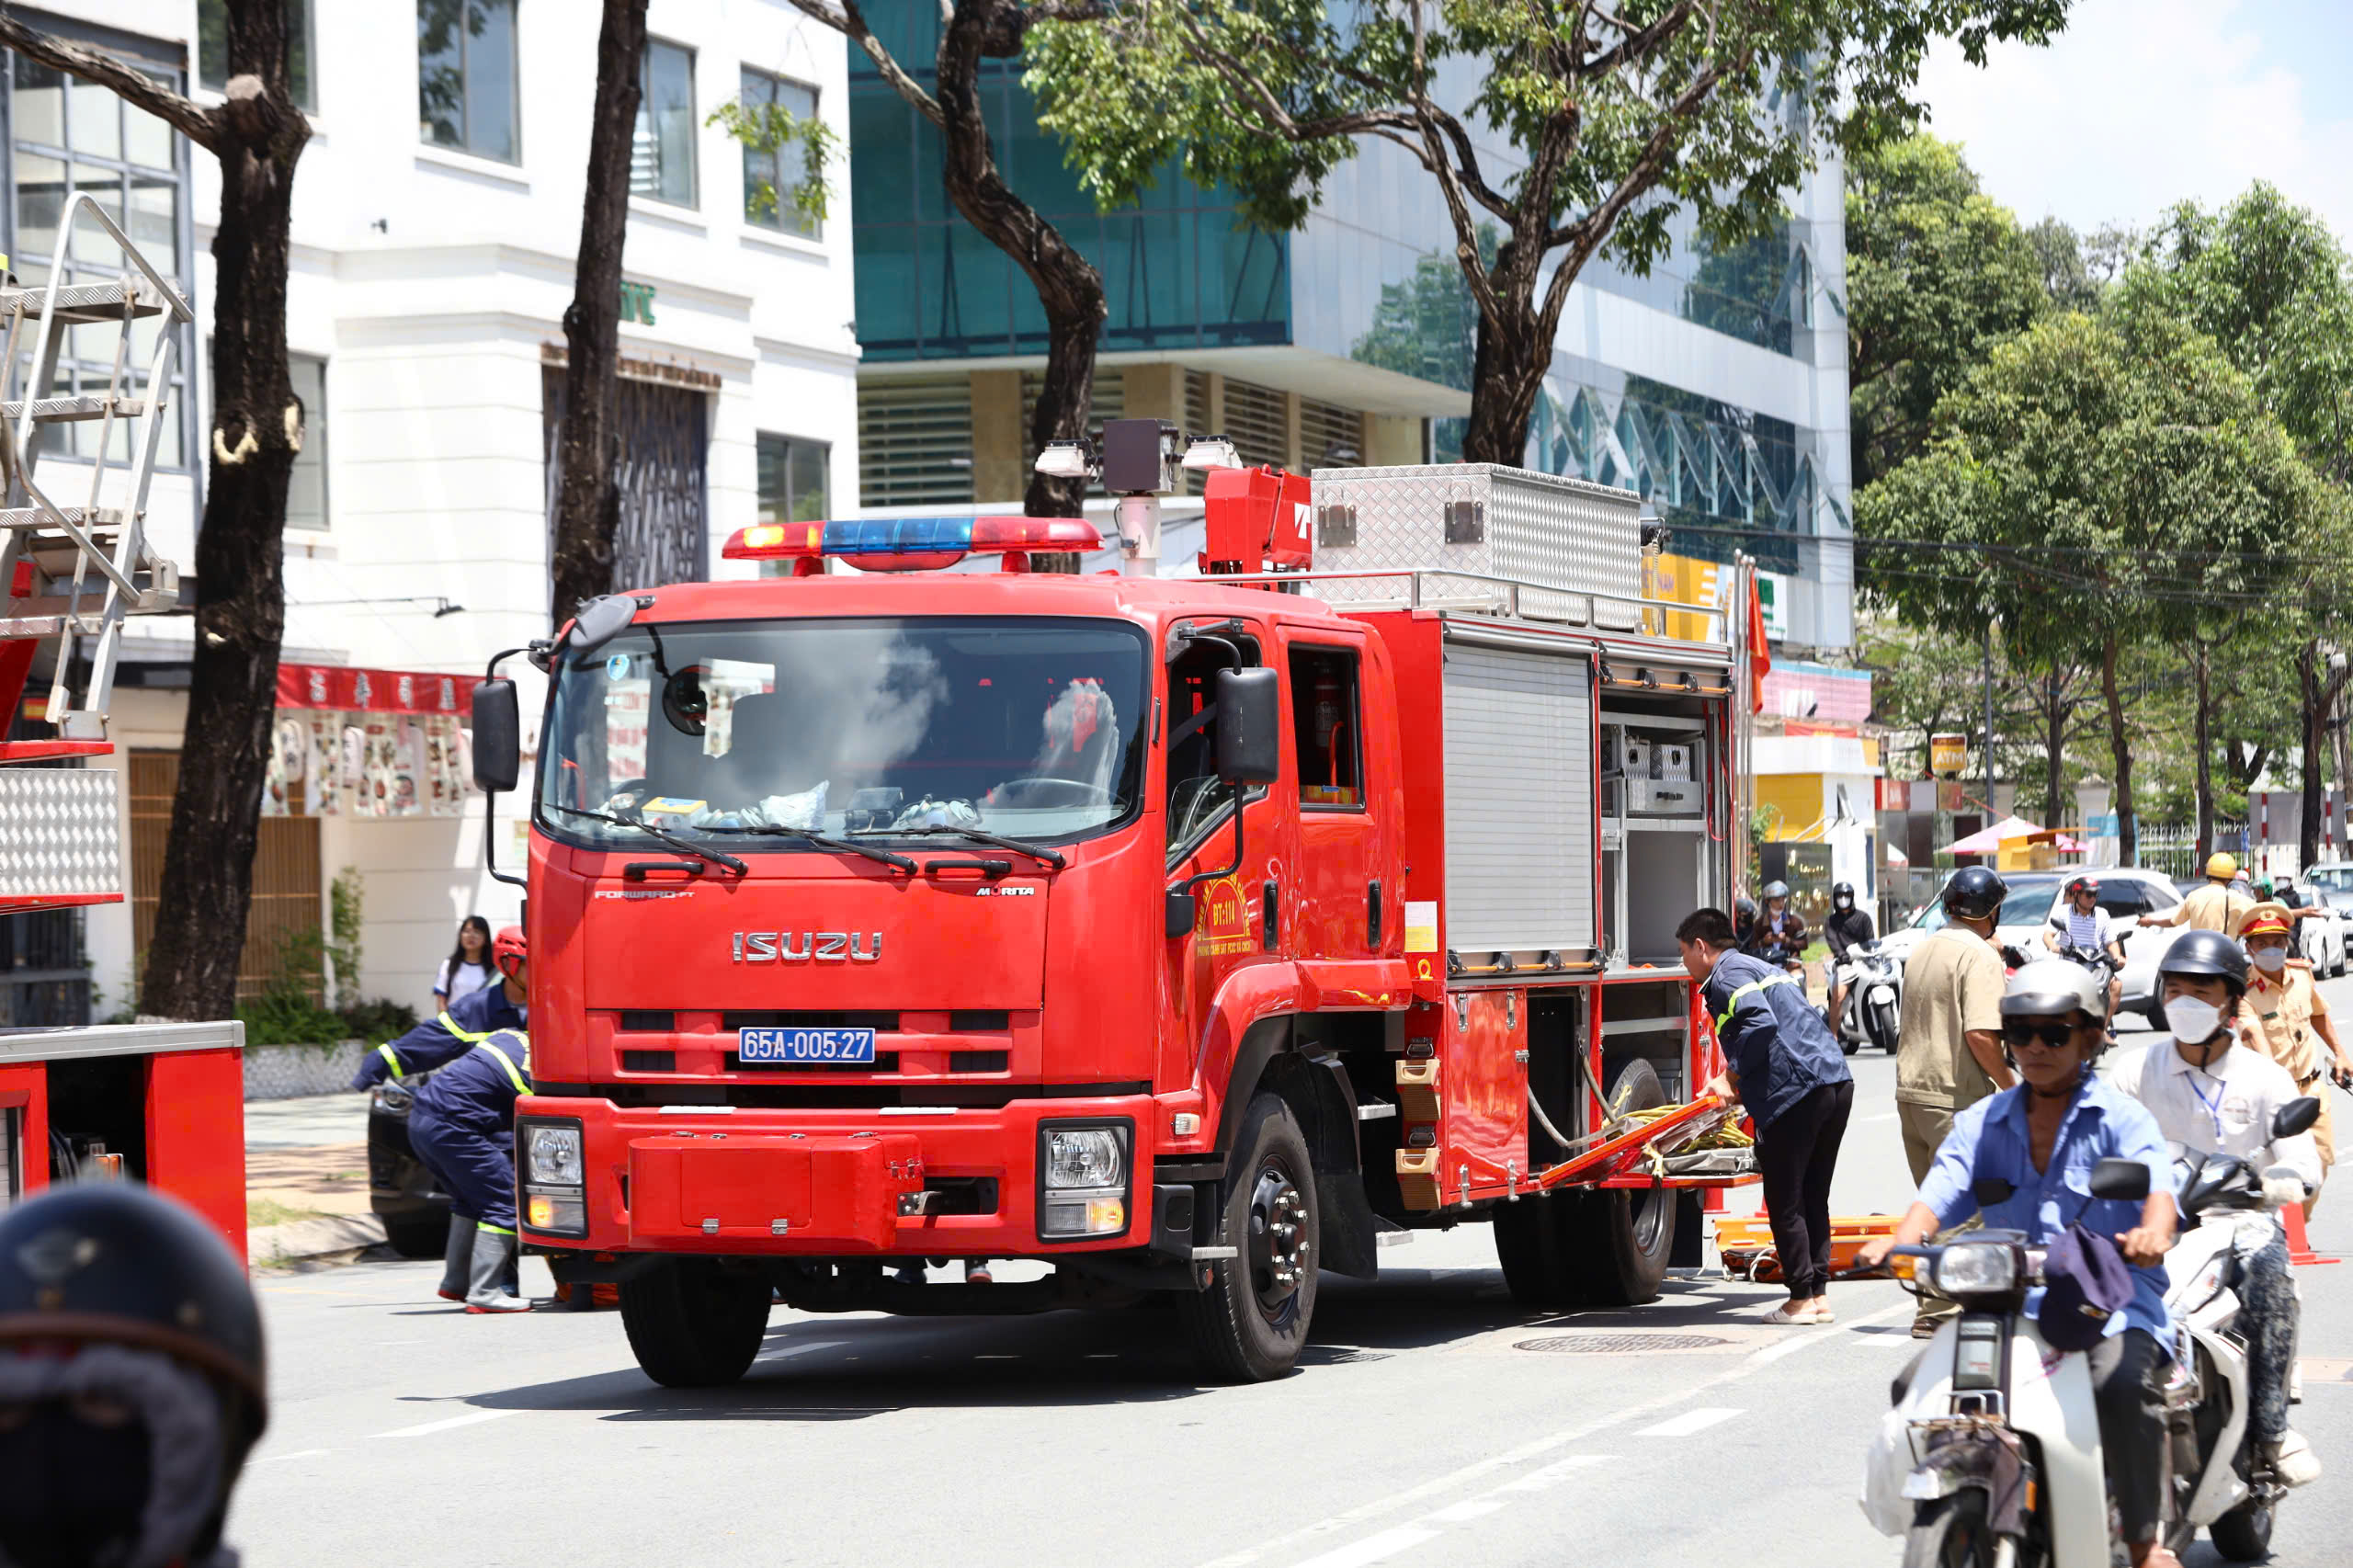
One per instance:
(461,1123)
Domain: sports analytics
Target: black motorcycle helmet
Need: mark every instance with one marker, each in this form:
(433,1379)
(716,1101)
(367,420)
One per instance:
(1776,890)
(1842,894)
(1744,918)
(132,1378)
(2206,953)
(1975,893)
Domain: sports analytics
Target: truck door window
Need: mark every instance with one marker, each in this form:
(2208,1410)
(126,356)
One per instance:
(1324,728)
(1196,800)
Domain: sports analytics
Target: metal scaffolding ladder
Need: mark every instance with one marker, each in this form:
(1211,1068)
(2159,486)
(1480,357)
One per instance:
(72,570)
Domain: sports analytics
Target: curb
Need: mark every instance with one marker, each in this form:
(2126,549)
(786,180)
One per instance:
(330,1239)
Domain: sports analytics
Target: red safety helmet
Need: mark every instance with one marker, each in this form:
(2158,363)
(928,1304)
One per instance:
(2083,884)
(510,951)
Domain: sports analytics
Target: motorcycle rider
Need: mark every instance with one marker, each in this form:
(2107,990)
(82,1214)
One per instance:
(1781,930)
(2042,1138)
(1847,930)
(2213,1095)
(133,1380)
(2081,923)
(2283,1015)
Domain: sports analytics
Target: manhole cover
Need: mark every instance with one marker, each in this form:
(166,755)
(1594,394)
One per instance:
(1619,1344)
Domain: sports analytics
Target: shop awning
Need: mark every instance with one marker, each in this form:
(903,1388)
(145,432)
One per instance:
(345,688)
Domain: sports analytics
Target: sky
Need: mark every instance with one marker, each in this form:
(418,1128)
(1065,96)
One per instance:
(2142,103)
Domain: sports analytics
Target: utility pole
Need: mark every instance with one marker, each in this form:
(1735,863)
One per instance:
(1990,813)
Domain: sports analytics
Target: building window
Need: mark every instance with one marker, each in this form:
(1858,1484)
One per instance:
(68,138)
(662,150)
(306,489)
(466,95)
(302,47)
(792,485)
(767,200)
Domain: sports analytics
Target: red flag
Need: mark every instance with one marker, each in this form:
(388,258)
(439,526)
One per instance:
(1760,657)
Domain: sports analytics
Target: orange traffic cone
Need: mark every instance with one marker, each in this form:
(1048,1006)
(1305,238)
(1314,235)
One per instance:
(2300,1248)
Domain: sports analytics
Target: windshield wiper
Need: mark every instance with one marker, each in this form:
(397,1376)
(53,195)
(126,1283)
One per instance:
(1035,851)
(808,836)
(715,857)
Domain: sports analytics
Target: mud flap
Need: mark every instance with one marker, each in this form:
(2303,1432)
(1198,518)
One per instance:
(1347,1226)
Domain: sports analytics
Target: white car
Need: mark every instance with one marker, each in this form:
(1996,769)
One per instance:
(2126,892)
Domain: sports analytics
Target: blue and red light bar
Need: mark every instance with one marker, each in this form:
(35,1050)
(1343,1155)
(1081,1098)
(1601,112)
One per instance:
(909,544)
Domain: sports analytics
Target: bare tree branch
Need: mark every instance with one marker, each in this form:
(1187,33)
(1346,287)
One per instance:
(191,119)
(1633,45)
(847,19)
(1585,235)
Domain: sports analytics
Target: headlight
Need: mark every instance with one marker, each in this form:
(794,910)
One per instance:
(1084,1156)
(1082,1182)
(1976,1268)
(552,1155)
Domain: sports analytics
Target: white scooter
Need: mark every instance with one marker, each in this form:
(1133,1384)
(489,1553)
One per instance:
(1991,1456)
(1871,1013)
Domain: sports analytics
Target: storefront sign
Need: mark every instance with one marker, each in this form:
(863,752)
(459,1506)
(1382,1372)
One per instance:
(637,302)
(1947,756)
(366,743)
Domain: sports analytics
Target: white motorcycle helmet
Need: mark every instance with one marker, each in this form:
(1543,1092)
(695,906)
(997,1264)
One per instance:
(2053,988)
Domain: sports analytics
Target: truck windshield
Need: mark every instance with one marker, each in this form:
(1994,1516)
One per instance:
(1028,727)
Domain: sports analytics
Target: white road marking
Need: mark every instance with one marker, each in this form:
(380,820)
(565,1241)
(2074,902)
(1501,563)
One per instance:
(1552,1474)
(1685,1424)
(297,1454)
(1373,1548)
(780,1354)
(1537,1448)
(452,1424)
(1463,1513)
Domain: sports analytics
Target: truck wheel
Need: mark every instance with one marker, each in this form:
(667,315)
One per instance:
(1621,1239)
(692,1324)
(1534,1240)
(1252,1321)
(2243,1535)
(426,1235)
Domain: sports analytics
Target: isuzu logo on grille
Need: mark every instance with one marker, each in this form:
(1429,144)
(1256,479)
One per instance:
(814,946)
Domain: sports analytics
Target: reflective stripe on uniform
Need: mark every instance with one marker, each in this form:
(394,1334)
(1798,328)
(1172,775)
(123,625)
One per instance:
(1734,1000)
(395,1061)
(496,1229)
(514,1073)
(468,1036)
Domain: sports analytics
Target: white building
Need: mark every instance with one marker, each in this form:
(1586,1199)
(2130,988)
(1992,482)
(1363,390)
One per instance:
(435,213)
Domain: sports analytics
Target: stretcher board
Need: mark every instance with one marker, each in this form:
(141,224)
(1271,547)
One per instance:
(1745,1243)
(1626,1159)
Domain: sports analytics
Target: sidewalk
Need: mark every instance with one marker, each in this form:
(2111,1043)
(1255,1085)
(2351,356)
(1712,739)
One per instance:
(306,1181)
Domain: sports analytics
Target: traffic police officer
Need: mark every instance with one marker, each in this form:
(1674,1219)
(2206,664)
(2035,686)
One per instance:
(2282,1015)
(461,1123)
(132,1380)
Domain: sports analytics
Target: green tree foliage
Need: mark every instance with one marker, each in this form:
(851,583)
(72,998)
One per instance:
(802,142)
(1936,273)
(1579,129)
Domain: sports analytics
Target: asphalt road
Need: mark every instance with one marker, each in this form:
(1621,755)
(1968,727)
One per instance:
(1432,1424)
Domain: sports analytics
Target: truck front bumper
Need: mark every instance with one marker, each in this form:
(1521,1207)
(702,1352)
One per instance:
(731,1181)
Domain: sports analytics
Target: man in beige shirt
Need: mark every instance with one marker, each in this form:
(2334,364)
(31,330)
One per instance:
(1949,1055)
(2217,907)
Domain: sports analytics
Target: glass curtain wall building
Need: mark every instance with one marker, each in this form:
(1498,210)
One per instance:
(1715,385)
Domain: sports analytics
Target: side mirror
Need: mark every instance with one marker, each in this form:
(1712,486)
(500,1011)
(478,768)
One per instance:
(2120,1180)
(1249,727)
(498,736)
(2298,1115)
(1180,916)
(600,620)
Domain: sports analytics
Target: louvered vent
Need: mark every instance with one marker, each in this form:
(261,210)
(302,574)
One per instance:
(1109,403)
(1256,423)
(914,441)
(1330,436)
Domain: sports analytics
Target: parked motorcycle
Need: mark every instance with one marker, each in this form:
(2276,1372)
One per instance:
(1873,1012)
(1990,1457)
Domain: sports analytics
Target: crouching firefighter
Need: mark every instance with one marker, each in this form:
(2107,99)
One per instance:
(461,1123)
(131,1381)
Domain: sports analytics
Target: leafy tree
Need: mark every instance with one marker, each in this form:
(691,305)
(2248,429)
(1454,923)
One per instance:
(1936,273)
(2067,280)
(258,134)
(1578,128)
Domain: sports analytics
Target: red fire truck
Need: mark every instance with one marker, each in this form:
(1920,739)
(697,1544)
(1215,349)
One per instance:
(1191,934)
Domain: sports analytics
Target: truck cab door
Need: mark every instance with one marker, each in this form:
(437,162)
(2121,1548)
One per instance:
(1344,910)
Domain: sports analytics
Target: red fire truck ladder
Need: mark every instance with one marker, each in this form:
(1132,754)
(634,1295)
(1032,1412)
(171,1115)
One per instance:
(74,567)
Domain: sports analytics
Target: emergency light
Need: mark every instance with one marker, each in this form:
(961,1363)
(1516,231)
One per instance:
(908,544)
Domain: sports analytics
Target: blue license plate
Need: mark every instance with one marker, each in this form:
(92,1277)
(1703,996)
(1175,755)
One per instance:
(804,1045)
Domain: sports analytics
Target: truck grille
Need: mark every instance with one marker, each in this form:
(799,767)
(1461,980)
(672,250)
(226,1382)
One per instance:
(884,1062)
(881,1023)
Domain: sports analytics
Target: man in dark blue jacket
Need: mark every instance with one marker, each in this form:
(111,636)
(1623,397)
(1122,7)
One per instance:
(1790,1074)
(461,1123)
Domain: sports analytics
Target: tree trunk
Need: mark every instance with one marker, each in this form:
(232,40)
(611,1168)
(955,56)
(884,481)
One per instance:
(2054,750)
(1068,286)
(2201,673)
(206,891)
(587,510)
(1507,379)
(2314,706)
(2119,744)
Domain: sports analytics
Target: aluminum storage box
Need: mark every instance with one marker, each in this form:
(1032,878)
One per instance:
(1485,520)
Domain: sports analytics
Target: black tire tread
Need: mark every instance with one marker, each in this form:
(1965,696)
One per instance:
(1220,1335)
(691,1325)
(1611,1272)
(419,1238)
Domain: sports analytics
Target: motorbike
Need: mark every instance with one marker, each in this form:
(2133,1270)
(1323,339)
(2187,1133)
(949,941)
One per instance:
(1990,1457)
(1871,1014)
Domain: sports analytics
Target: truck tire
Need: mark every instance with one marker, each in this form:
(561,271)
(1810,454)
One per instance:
(692,1324)
(1534,1241)
(1622,1238)
(419,1235)
(1252,1321)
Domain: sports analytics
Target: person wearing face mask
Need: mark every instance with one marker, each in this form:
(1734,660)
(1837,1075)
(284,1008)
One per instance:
(2283,1015)
(1781,930)
(1847,928)
(133,1380)
(2040,1140)
(2213,1095)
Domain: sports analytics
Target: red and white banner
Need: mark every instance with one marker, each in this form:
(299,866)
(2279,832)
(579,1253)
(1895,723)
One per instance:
(344,689)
